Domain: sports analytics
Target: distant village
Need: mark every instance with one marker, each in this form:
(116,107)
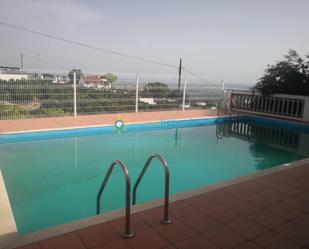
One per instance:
(153,93)
(88,81)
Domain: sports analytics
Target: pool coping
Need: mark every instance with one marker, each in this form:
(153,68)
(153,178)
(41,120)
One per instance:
(72,128)
(93,220)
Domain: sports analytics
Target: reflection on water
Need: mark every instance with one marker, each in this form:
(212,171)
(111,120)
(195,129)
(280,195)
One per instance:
(260,135)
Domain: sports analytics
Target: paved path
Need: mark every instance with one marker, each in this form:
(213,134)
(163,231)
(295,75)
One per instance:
(91,120)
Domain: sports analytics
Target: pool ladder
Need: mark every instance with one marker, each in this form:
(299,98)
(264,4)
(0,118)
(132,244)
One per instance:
(165,220)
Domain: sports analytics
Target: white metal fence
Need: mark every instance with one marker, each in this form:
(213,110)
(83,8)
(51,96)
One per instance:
(39,96)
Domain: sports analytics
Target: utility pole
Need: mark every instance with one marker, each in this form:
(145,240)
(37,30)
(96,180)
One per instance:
(39,63)
(179,76)
(21,62)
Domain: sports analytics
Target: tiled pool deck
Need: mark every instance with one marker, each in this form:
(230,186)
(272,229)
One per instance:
(270,211)
(95,120)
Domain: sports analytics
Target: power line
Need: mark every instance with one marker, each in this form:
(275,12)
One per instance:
(195,75)
(86,45)
(98,49)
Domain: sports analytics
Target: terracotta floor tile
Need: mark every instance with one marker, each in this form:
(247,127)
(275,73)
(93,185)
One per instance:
(175,231)
(259,200)
(240,206)
(31,246)
(196,242)
(252,186)
(221,213)
(266,218)
(294,232)
(153,216)
(219,195)
(225,237)
(304,196)
(291,181)
(273,240)
(249,245)
(149,239)
(232,202)
(283,211)
(69,240)
(201,202)
(238,191)
(181,208)
(274,195)
(265,181)
(247,227)
(275,183)
(200,222)
(302,220)
(297,203)
(170,247)
(98,234)
(288,189)
(137,224)
(118,244)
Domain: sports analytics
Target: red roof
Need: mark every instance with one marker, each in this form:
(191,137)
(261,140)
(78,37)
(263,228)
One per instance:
(92,79)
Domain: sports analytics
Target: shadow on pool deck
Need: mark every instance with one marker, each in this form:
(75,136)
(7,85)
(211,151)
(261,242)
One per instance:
(270,211)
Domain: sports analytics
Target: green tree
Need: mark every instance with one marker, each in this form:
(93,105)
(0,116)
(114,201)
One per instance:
(289,76)
(156,90)
(78,72)
(109,77)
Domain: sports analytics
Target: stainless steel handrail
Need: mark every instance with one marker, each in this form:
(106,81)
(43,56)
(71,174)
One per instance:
(128,233)
(165,219)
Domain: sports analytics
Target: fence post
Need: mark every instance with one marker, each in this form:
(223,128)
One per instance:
(136,95)
(74,93)
(222,89)
(184,95)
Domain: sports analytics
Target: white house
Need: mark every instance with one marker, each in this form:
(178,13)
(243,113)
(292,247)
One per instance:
(94,81)
(12,73)
(6,76)
(60,79)
(149,101)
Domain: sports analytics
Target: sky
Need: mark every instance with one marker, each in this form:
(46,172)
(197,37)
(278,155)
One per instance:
(233,40)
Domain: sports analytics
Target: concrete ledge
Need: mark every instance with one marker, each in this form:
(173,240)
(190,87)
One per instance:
(8,230)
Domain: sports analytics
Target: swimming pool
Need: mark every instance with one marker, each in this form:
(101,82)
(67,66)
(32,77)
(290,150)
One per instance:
(53,177)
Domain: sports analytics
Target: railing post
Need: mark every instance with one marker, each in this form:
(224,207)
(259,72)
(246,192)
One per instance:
(305,110)
(136,95)
(184,95)
(74,94)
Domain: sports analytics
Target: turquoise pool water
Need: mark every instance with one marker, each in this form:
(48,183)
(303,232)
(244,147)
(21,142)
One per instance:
(54,181)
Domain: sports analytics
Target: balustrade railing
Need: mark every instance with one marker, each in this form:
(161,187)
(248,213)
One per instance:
(279,104)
